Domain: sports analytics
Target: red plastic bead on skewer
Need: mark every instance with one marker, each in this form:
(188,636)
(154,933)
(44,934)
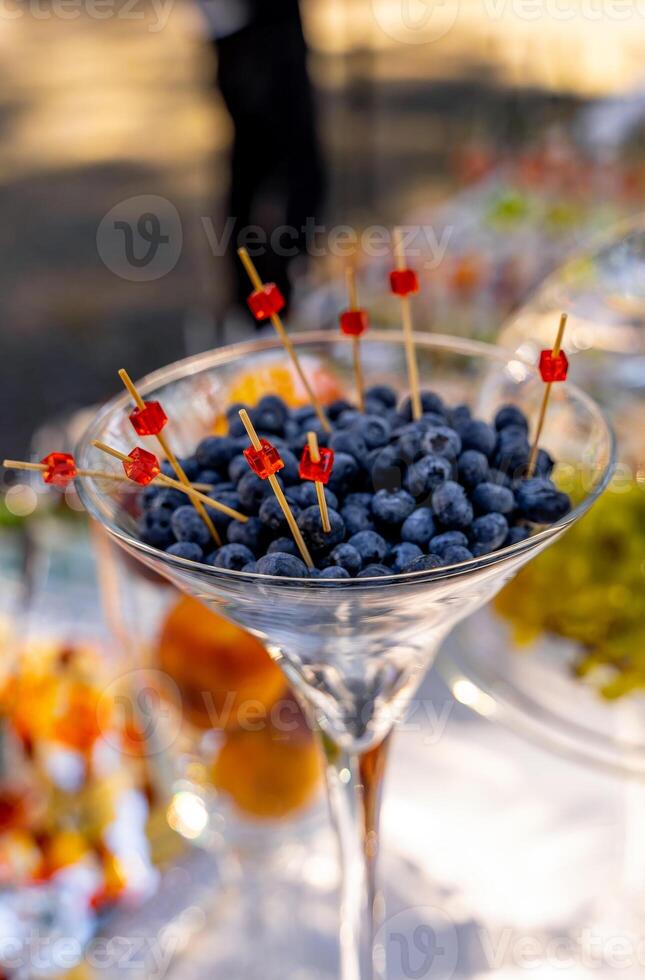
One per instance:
(404,282)
(141,466)
(61,469)
(354,323)
(319,471)
(264,302)
(264,462)
(553,368)
(150,420)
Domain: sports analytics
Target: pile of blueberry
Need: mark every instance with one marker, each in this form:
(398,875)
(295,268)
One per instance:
(403,496)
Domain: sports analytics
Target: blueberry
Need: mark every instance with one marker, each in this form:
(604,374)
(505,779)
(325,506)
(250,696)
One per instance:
(430,402)
(344,474)
(186,549)
(190,466)
(402,554)
(488,533)
(427,474)
(237,468)
(510,415)
(391,509)
(305,495)
(228,497)
(544,463)
(356,519)
(418,528)
(374,571)
(480,436)
(236,428)
(163,498)
(538,500)
(516,534)
(285,545)
(231,556)
(512,450)
(303,415)
(374,431)
(338,407)
(455,555)
(349,441)
(216,452)
(310,523)
(187,525)
(442,542)
(298,442)
(371,546)
(347,418)
(271,514)
(451,506)
(211,477)
(283,565)
(372,406)
(361,499)
(472,468)
(500,478)
(250,533)
(442,441)
(382,393)
(489,497)
(250,567)
(347,557)
(459,417)
(252,491)
(388,469)
(155,528)
(271,414)
(425,563)
(409,441)
(334,571)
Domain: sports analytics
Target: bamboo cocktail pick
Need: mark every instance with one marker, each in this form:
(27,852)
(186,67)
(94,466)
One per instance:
(354,323)
(264,460)
(404,283)
(265,303)
(149,419)
(59,469)
(316,465)
(554,367)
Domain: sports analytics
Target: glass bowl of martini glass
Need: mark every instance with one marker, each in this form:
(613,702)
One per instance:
(353,650)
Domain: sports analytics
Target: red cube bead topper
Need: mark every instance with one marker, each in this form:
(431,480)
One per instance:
(403,282)
(264,462)
(61,469)
(141,466)
(318,472)
(264,302)
(353,323)
(148,421)
(553,368)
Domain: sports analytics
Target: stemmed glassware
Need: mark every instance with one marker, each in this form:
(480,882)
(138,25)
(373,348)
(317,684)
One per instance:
(354,651)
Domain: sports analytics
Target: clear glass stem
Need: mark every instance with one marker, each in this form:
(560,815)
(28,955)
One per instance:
(354,783)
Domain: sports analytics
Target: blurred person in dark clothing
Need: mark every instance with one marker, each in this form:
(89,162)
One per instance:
(277,174)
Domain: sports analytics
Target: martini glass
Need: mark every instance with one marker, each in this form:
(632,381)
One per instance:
(354,651)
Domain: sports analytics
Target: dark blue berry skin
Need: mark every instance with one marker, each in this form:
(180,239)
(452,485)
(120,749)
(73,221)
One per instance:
(155,528)
(232,557)
(489,497)
(236,428)
(361,499)
(356,519)
(305,495)
(480,436)
(456,554)
(252,491)
(251,533)
(211,477)
(310,523)
(374,571)
(349,441)
(426,475)
(544,464)
(451,506)
(371,547)
(426,563)
(187,550)
(298,443)
(373,430)
(289,474)
(459,417)
(382,393)
(163,498)
(250,567)
(231,499)
(516,534)
(191,467)
(388,470)
(285,545)
(442,441)
(472,468)
(303,415)
(402,554)
(419,527)
(510,415)
(538,500)
(488,533)
(237,468)
(442,542)
(272,517)
(334,571)
(283,565)
(347,418)
(187,525)
(512,451)
(271,414)
(500,478)
(347,557)
(216,452)
(430,402)
(338,407)
(408,442)
(344,474)
(391,509)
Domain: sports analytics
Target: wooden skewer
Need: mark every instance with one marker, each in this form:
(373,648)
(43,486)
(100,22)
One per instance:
(277,489)
(545,400)
(408,338)
(167,481)
(18,464)
(170,456)
(358,367)
(314,452)
(278,325)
